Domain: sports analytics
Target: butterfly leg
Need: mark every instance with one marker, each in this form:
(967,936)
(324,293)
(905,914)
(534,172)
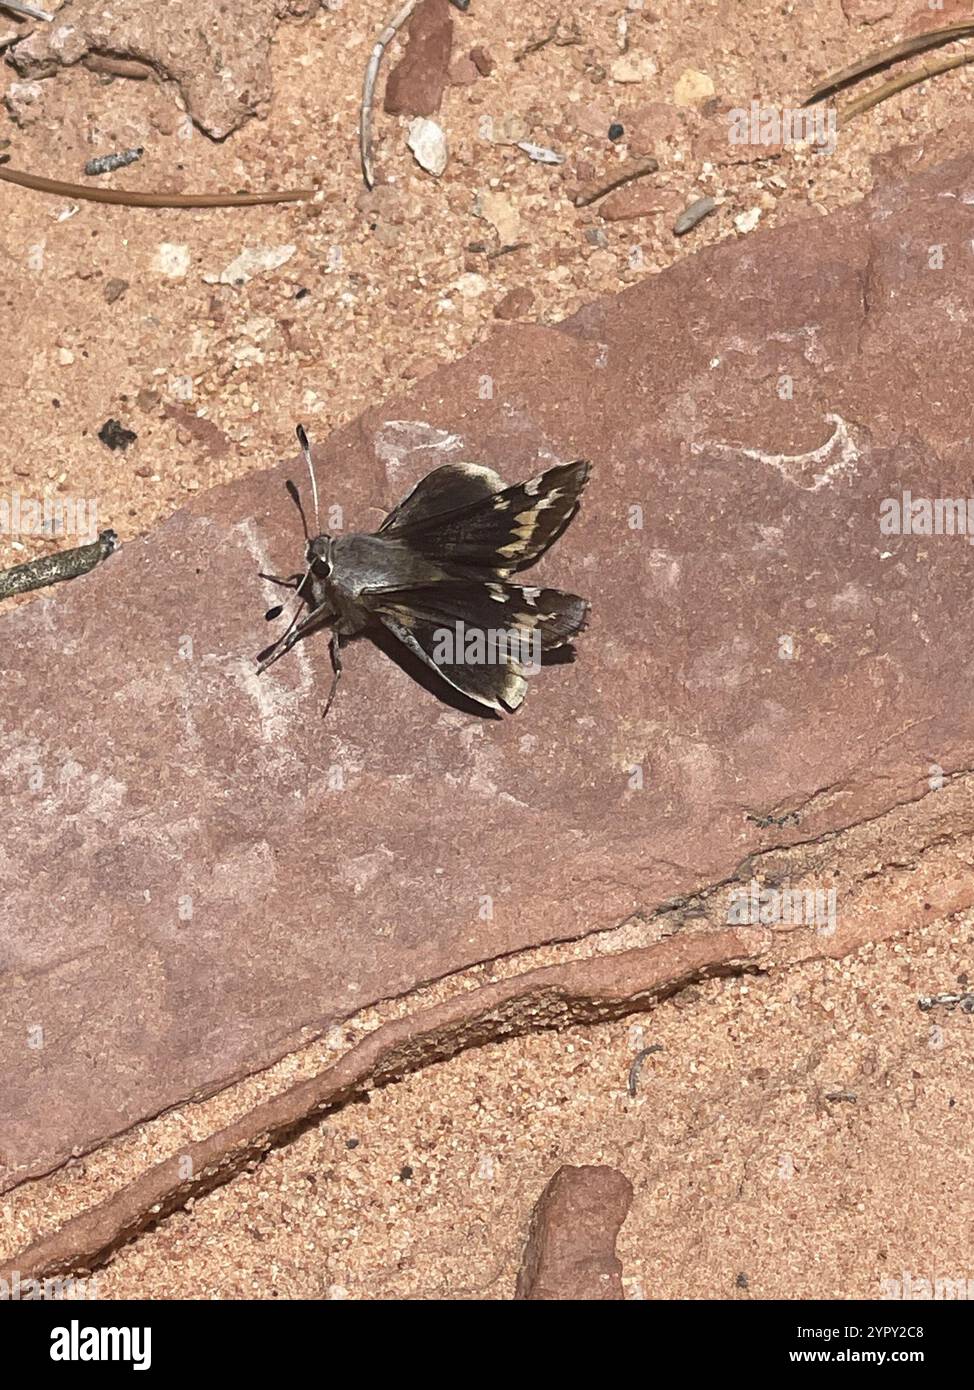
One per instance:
(335,651)
(318,618)
(292,582)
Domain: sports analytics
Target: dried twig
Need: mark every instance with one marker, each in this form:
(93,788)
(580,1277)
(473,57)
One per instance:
(109,163)
(905,48)
(628,174)
(926,1002)
(686,222)
(637,1064)
(900,84)
(555,35)
(368,88)
(28,11)
(151,200)
(53,569)
(507,249)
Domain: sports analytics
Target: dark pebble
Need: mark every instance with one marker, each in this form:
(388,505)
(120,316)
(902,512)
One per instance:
(114,435)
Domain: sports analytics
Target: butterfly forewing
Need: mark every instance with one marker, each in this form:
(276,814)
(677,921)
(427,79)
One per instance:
(445,490)
(501,531)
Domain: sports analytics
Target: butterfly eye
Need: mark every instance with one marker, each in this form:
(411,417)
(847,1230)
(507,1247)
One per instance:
(274,612)
(318,557)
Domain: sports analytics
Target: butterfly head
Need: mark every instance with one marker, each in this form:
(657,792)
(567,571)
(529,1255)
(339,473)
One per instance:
(318,556)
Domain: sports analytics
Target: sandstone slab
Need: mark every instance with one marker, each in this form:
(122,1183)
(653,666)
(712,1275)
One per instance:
(197,874)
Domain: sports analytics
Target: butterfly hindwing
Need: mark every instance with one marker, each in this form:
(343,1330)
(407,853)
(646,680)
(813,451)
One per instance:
(481,637)
(501,530)
(498,687)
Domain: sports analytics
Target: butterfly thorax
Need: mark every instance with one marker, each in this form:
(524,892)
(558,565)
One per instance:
(364,562)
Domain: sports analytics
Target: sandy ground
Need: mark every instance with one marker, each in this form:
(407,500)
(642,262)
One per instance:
(749,1183)
(741,1166)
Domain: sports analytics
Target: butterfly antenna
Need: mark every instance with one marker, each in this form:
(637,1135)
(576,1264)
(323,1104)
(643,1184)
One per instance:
(295,496)
(288,638)
(306,450)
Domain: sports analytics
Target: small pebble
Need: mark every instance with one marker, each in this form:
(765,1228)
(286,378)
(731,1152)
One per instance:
(633,68)
(428,143)
(540,153)
(690,216)
(482,60)
(171,259)
(255,260)
(108,163)
(616,131)
(114,289)
(515,304)
(114,435)
(693,88)
(747,221)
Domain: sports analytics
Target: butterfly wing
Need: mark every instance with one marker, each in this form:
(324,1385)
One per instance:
(446,489)
(499,530)
(440,624)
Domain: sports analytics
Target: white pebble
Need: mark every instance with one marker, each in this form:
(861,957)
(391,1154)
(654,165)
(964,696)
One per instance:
(428,143)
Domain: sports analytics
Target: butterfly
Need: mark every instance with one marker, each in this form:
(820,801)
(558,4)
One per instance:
(437,576)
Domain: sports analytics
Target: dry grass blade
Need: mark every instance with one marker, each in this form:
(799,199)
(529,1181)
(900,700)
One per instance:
(905,48)
(123,198)
(28,11)
(592,194)
(368,87)
(900,83)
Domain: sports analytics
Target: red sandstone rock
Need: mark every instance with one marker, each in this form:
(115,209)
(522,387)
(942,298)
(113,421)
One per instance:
(515,304)
(417,83)
(571,1248)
